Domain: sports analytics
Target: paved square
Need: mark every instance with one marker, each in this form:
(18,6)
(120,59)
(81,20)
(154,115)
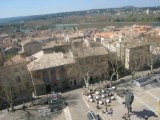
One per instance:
(145,103)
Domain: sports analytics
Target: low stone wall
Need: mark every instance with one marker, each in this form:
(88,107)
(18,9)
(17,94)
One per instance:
(147,80)
(143,83)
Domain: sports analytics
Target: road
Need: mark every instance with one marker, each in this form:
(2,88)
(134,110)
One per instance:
(77,109)
(77,106)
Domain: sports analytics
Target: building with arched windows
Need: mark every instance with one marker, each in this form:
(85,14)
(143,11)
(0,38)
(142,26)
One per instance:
(49,73)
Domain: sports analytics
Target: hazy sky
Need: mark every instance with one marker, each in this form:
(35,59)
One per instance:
(12,8)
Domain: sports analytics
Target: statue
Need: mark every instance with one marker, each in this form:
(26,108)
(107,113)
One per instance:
(129,98)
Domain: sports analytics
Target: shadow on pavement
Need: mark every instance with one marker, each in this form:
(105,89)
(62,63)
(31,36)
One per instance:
(145,114)
(71,99)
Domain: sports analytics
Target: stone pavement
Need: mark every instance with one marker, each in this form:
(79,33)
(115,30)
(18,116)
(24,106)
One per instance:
(144,105)
(140,112)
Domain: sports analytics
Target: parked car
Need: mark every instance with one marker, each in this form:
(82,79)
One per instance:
(57,104)
(92,116)
(99,117)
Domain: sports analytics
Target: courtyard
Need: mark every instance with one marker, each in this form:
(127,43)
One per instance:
(144,106)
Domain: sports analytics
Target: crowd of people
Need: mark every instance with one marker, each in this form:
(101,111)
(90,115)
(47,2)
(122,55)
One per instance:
(126,117)
(108,111)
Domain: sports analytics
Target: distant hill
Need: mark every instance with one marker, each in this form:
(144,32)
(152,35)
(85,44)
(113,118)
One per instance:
(74,13)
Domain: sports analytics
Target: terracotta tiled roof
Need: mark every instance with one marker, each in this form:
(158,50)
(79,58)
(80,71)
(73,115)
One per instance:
(18,59)
(105,35)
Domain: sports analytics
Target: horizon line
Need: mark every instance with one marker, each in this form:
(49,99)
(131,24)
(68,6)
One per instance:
(74,11)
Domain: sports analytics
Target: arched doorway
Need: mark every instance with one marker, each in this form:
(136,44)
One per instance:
(75,82)
(63,85)
(48,88)
(55,87)
(91,80)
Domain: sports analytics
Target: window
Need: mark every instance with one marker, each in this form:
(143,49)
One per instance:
(3,93)
(18,79)
(58,75)
(12,88)
(53,74)
(21,93)
(14,96)
(27,85)
(62,73)
(45,76)
(70,82)
(36,74)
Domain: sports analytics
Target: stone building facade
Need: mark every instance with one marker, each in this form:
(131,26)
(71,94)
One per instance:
(136,58)
(57,71)
(49,73)
(15,82)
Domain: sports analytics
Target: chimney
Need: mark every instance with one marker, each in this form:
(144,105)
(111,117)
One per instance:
(68,38)
(22,47)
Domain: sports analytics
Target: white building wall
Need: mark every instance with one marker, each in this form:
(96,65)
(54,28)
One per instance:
(127,56)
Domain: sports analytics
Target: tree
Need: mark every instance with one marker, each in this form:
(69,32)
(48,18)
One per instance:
(13,79)
(138,58)
(83,66)
(152,57)
(89,63)
(9,55)
(29,90)
(101,67)
(115,66)
(7,93)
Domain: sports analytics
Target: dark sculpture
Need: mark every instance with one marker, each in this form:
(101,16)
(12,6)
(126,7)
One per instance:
(129,98)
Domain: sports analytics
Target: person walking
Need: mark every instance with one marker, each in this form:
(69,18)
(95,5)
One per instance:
(110,112)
